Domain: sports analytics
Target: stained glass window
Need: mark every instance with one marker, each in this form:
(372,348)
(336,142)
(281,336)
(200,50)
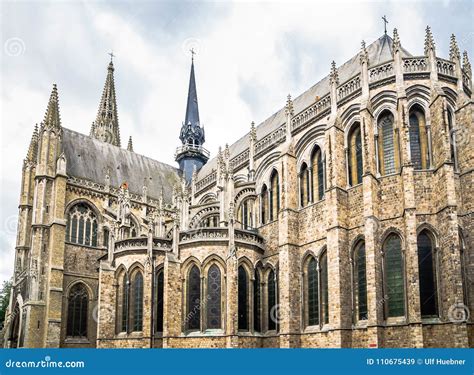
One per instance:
(125,303)
(193,317)
(78,300)
(257,295)
(394,277)
(214,297)
(418,138)
(427,275)
(264,205)
(243,321)
(82,226)
(386,144)
(360,279)
(272,308)
(159,303)
(137,301)
(355,156)
(324,287)
(304,194)
(313,292)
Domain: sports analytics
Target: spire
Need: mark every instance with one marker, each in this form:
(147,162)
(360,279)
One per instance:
(191,155)
(33,149)
(396,41)
(106,126)
(192,110)
(52,121)
(454,53)
(429,41)
(466,65)
(333,75)
(130,144)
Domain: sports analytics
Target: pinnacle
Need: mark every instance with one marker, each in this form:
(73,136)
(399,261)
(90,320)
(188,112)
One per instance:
(454,49)
(429,41)
(130,144)
(51,118)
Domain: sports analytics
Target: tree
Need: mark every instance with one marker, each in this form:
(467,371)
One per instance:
(5,292)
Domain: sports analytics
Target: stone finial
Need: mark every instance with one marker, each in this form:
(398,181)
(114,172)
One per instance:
(333,75)
(253,132)
(289,106)
(396,41)
(454,53)
(466,65)
(429,41)
(226,152)
(51,117)
(130,144)
(364,55)
(33,149)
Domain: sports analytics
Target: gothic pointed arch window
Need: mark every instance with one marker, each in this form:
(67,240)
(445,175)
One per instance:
(77,311)
(272,313)
(387,144)
(82,225)
(136,301)
(312,292)
(452,139)
(245,214)
(427,275)
(360,281)
(123,299)
(210,221)
(159,299)
(243,299)
(323,277)
(394,271)
(354,155)
(193,315)
(304,182)
(134,231)
(317,174)
(264,203)
(274,195)
(214,290)
(418,138)
(257,302)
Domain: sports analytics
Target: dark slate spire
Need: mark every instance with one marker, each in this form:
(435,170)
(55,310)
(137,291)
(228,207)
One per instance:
(192,109)
(106,126)
(191,155)
(191,130)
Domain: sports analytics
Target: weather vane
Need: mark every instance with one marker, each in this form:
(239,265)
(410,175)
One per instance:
(384,18)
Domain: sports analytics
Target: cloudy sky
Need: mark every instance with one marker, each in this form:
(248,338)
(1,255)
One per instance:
(250,56)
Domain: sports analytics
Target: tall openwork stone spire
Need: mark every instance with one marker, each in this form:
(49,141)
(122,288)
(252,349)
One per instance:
(454,53)
(333,75)
(396,41)
(466,65)
(52,120)
(191,155)
(106,126)
(429,41)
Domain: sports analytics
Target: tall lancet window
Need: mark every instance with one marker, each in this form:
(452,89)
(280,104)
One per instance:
(354,155)
(257,302)
(427,275)
(418,138)
(394,277)
(136,300)
(452,139)
(304,185)
(78,300)
(317,174)
(159,299)
(272,313)
(264,204)
(274,195)
(246,214)
(360,281)
(214,298)
(243,300)
(193,315)
(312,292)
(387,145)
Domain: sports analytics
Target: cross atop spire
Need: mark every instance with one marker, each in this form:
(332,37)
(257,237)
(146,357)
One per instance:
(192,53)
(106,126)
(111,53)
(385,22)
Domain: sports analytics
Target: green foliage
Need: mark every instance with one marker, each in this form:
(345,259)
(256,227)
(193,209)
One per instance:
(4,299)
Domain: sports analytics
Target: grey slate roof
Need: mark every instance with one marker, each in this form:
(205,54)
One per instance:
(379,52)
(88,158)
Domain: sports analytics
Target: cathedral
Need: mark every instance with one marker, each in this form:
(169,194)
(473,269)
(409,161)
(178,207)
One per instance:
(343,220)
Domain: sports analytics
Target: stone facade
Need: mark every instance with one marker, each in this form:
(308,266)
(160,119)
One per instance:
(254,210)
